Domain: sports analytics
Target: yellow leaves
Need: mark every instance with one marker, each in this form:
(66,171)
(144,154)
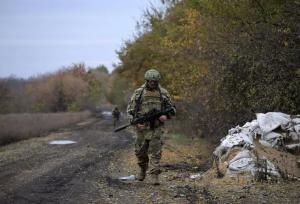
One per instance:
(178,98)
(185,32)
(192,18)
(168,43)
(174,52)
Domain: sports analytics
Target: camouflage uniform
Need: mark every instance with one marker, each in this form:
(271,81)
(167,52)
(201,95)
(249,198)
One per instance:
(116,115)
(149,140)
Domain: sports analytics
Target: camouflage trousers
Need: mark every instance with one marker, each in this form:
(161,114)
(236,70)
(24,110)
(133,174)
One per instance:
(116,121)
(149,142)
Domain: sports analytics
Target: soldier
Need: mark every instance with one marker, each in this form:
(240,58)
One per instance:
(149,135)
(116,115)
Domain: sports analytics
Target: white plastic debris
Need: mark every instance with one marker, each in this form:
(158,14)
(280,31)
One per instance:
(237,139)
(297,128)
(293,146)
(287,129)
(272,138)
(127,178)
(251,126)
(294,136)
(265,143)
(243,161)
(195,176)
(272,120)
(62,142)
(106,113)
(296,120)
(271,169)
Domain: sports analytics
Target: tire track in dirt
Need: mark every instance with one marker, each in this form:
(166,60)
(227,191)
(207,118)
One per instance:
(61,174)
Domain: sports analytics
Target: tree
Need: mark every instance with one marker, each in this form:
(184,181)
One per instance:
(4,96)
(221,59)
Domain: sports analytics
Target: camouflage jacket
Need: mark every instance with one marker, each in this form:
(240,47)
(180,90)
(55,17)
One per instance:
(116,113)
(143,101)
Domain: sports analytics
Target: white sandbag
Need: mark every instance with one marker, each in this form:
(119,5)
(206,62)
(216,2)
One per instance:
(242,164)
(237,129)
(272,169)
(242,154)
(237,139)
(272,136)
(293,146)
(243,161)
(247,128)
(272,120)
(251,126)
(265,143)
(296,120)
(257,132)
(297,128)
(294,136)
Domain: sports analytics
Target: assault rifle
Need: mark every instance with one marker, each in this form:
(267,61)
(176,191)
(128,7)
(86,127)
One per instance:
(149,117)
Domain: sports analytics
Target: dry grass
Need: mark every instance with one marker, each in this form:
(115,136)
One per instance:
(175,152)
(286,162)
(14,127)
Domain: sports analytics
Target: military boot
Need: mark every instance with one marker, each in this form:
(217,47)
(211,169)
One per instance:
(142,174)
(155,179)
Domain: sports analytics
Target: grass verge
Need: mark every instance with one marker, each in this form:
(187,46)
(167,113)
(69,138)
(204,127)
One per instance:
(15,127)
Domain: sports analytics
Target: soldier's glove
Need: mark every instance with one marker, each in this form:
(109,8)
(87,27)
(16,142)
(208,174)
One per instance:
(163,118)
(141,126)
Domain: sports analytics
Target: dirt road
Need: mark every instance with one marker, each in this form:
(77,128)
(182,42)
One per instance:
(33,171)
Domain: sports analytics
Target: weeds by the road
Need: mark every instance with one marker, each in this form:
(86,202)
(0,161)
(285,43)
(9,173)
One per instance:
(14,127)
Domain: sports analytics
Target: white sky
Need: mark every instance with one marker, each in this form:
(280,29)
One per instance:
(41,36)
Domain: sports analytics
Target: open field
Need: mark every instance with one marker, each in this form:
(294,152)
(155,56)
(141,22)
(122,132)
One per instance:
(15,127)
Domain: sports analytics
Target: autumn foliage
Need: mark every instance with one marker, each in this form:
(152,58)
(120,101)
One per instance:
(221,60)
(73,88)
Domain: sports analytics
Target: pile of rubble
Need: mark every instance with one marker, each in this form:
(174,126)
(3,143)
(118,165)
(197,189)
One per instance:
(238,150)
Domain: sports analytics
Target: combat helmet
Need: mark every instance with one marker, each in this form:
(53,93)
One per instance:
(152,74)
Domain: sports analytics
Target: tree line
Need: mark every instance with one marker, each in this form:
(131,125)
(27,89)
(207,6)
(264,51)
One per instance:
(221,60)
(70,89)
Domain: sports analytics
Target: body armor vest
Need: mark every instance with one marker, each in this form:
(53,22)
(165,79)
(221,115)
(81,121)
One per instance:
(150,100)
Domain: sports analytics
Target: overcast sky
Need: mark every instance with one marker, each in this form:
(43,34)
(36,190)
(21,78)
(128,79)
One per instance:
(41,36)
